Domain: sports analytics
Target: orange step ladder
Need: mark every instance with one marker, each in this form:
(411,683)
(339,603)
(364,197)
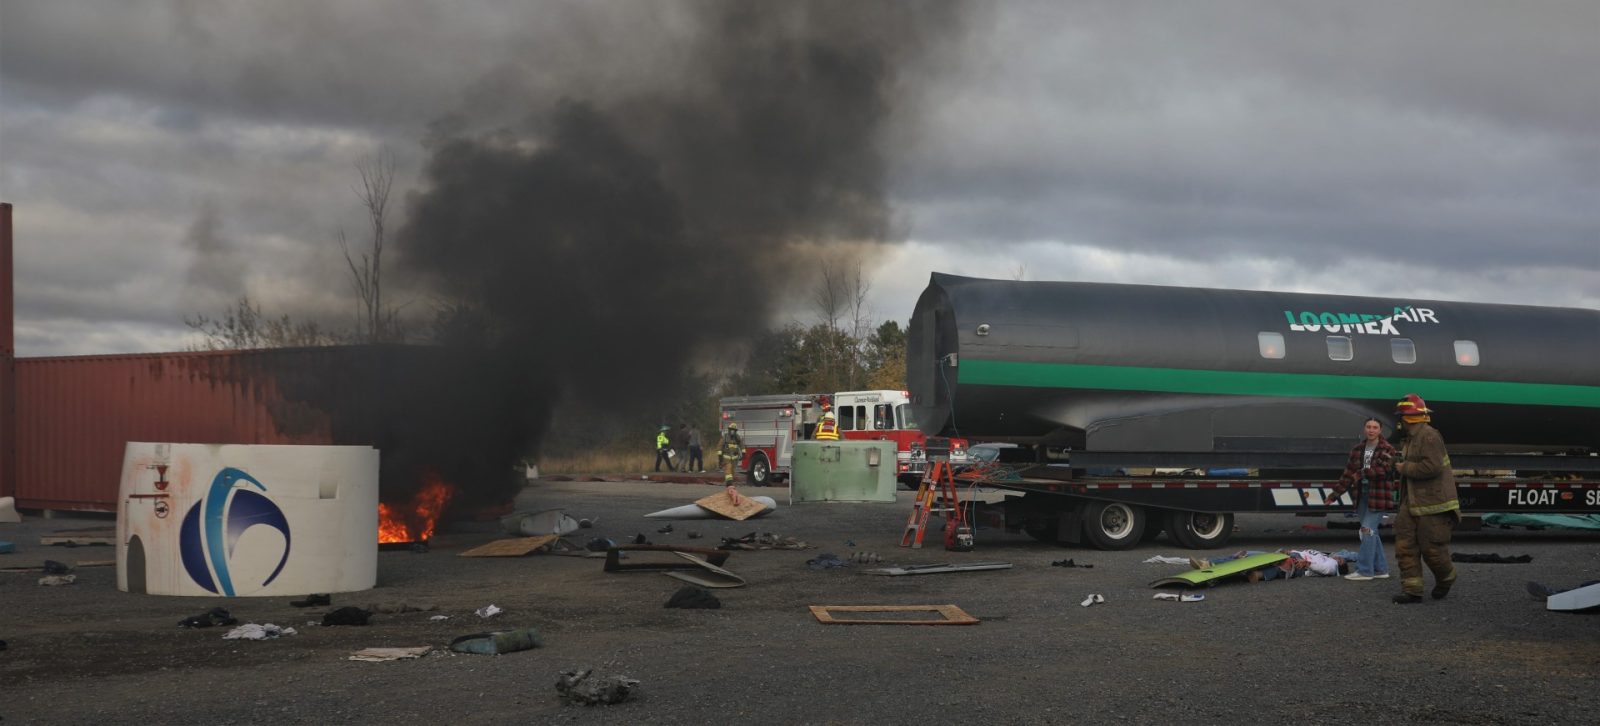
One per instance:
(937,495)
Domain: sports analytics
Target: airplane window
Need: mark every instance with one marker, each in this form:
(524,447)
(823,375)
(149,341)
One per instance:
(1339,348)
(1271,344)
(1466,352)
(1403,350)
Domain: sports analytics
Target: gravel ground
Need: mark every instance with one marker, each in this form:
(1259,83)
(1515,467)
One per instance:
(1318,650)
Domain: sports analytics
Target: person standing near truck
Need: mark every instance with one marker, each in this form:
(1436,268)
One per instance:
(828,428)
(1367,477)
(730,450)
(697,459)
(1429,508)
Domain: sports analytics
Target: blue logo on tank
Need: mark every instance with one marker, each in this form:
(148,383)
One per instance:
(212,527)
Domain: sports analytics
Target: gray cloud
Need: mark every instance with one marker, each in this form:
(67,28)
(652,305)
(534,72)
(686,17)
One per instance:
(1235,144)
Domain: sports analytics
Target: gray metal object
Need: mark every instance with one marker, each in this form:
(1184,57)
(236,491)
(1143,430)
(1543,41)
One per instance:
(843,471)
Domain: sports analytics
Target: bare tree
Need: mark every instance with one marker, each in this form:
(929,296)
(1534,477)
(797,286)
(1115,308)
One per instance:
(374,322)
(829,297)
(243,326)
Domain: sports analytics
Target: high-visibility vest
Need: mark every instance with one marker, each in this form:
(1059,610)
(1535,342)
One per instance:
(828,430)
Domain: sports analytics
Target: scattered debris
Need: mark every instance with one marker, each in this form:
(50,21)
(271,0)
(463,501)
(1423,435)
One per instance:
(214,616)
(500,641)
(640,539)
(1585,597)
(665,530)
(311,601)
(694,598)
(940,569)
(488,611)
(865,558)
(763,541)
(717,506)
(379,655)
(516,547)
(1070,563)
(81,537)
(587,523)
(7,548)
(826,561)
(252,631)
(575,687)
(539,523)
(1092,599)
(395,608)
(439,617)
(1493,558)
(949,614)
(1175,597)
(54,580)
(51,567)
(348,615)
(1204,576)
(1160,560)
(708,575)
(614,558)
(600,544)
(694,535)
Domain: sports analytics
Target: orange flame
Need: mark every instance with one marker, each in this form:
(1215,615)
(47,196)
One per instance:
(416,523)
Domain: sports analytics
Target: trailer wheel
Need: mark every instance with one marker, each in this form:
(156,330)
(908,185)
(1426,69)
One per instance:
(1113,525)
(760,469)
(1200,530)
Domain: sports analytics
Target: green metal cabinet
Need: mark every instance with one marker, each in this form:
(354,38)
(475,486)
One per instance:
(843,471)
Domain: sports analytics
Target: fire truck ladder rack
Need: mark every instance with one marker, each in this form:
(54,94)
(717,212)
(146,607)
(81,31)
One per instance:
(937,495)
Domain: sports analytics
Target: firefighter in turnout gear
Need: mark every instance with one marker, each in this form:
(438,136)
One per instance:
(730,451)
(1428,508)
(828,428)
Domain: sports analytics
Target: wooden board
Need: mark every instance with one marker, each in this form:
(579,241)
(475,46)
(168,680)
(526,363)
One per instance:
(948,614)
(722,504)
(515,547)
(86,536)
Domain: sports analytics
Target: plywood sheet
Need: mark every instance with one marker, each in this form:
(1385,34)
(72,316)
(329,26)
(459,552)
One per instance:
(515,547)
(948,614)
(722,504)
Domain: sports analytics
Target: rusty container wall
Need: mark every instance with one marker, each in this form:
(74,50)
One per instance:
(8,386)
(75,414)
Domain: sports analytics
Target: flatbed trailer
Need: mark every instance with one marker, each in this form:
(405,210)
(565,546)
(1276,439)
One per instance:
(1060,505)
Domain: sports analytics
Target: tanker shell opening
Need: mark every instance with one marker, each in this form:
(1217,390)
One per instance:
(933,361)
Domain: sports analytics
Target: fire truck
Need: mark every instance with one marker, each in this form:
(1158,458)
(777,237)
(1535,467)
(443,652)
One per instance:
(771,424)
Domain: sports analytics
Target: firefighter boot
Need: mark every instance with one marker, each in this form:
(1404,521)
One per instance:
(1442,587)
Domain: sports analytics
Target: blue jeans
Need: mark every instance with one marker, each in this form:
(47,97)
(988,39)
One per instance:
(1370,559)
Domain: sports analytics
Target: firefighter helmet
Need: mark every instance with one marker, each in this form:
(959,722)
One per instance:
(733,425)
(1412,405)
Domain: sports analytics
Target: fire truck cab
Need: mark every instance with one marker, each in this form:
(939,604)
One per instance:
(771,424)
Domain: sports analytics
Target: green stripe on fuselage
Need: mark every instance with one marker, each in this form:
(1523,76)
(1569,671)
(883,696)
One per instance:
(1241,383)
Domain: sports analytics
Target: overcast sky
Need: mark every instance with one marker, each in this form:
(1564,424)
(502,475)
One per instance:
(164,157)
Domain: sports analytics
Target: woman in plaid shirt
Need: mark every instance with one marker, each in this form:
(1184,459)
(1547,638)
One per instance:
(1371,472)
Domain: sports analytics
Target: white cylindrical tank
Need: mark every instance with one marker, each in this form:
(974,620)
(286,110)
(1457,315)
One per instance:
(247,521)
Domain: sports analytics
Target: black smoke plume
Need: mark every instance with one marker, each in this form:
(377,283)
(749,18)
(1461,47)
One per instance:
(597,246)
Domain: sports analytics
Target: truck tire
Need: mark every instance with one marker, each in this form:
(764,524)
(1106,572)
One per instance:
(760,469)
(1200,530)
(1113,525)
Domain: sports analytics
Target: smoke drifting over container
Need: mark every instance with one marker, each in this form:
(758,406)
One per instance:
(613,234)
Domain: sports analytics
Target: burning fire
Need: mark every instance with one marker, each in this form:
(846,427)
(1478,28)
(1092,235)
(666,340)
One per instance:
(414,523)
